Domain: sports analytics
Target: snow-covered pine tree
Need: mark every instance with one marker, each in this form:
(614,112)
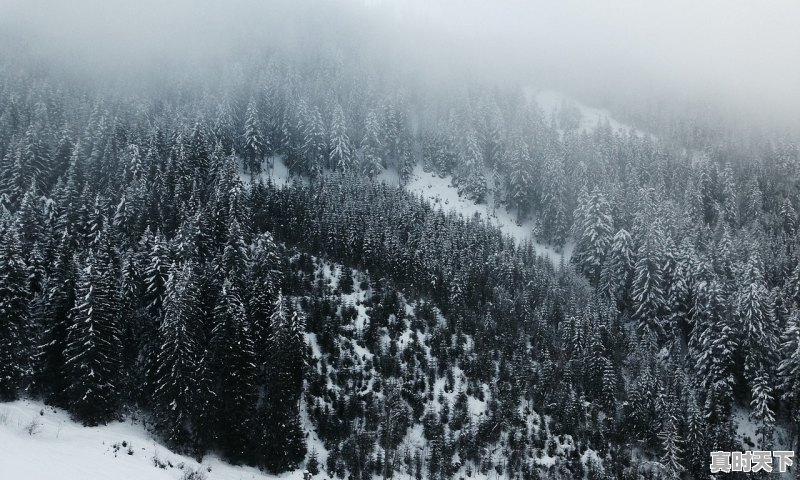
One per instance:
(93,339)
(759,339)
(371,147)
(60,289)
(593,233)
(226,201)
(696,445)
(788,217)
(340,156)
(647,290)
(235,372)
(30,217)
(224,125)
(31,162)
(283,443)
(314,144)
(197,154)
(176,357)
(471,177)
(14,296)
(761,399)
(609,387)
(671,445)
(554,209)
(235,259)
(520,180)
(312,464)
(263,281)
(730,204)
(789,367)
(615,277)
(255,144)
(714,343)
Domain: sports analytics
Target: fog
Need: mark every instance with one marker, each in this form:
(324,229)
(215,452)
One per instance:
(737,55)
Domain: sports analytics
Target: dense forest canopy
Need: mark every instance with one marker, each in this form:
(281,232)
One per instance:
(149,265)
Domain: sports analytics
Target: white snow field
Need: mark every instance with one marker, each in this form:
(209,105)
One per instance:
(38,442)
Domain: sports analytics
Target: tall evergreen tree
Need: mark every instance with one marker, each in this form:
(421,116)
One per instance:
(235,371)
(789,367)
(670,442)
(14,296)
(340,156)
(371,147)
(255,144)
(176,359)
(60,289)
(284,443)
(593,229)
(647,290)
(93,341)
(520,179)
(616,275)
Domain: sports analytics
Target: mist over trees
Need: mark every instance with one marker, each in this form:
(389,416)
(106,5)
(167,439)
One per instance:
(148,264)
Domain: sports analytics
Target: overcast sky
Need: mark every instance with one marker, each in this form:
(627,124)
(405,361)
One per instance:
(729,51)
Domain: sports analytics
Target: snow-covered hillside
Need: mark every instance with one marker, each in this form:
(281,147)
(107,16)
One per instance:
(38,442)
(415,345)
(441,193)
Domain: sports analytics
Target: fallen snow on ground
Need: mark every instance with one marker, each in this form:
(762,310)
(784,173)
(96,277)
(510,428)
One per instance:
(273,169)
(40,442)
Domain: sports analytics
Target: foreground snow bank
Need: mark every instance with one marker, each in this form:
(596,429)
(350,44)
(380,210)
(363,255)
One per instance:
(39,442)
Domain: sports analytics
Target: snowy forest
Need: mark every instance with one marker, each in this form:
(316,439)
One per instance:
(154,266)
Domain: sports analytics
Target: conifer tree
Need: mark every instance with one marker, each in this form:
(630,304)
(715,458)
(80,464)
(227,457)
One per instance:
(759,337)
(714,342)
(696,448)
(340,156)
(176,359)
(371,147)
(789,367)
(788,217)
(616,275)
(670,443)
(521,178)
(235,260)
(647,290)
(255,144)
(593,229)
(93,340)
(730,205)
(235,371)
(30,217)
(555,221)
(14,296)
(314,144)
(60,290)
(284,441)
(263,280)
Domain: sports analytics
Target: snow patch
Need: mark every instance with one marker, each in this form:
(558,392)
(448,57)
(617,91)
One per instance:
(57,447)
